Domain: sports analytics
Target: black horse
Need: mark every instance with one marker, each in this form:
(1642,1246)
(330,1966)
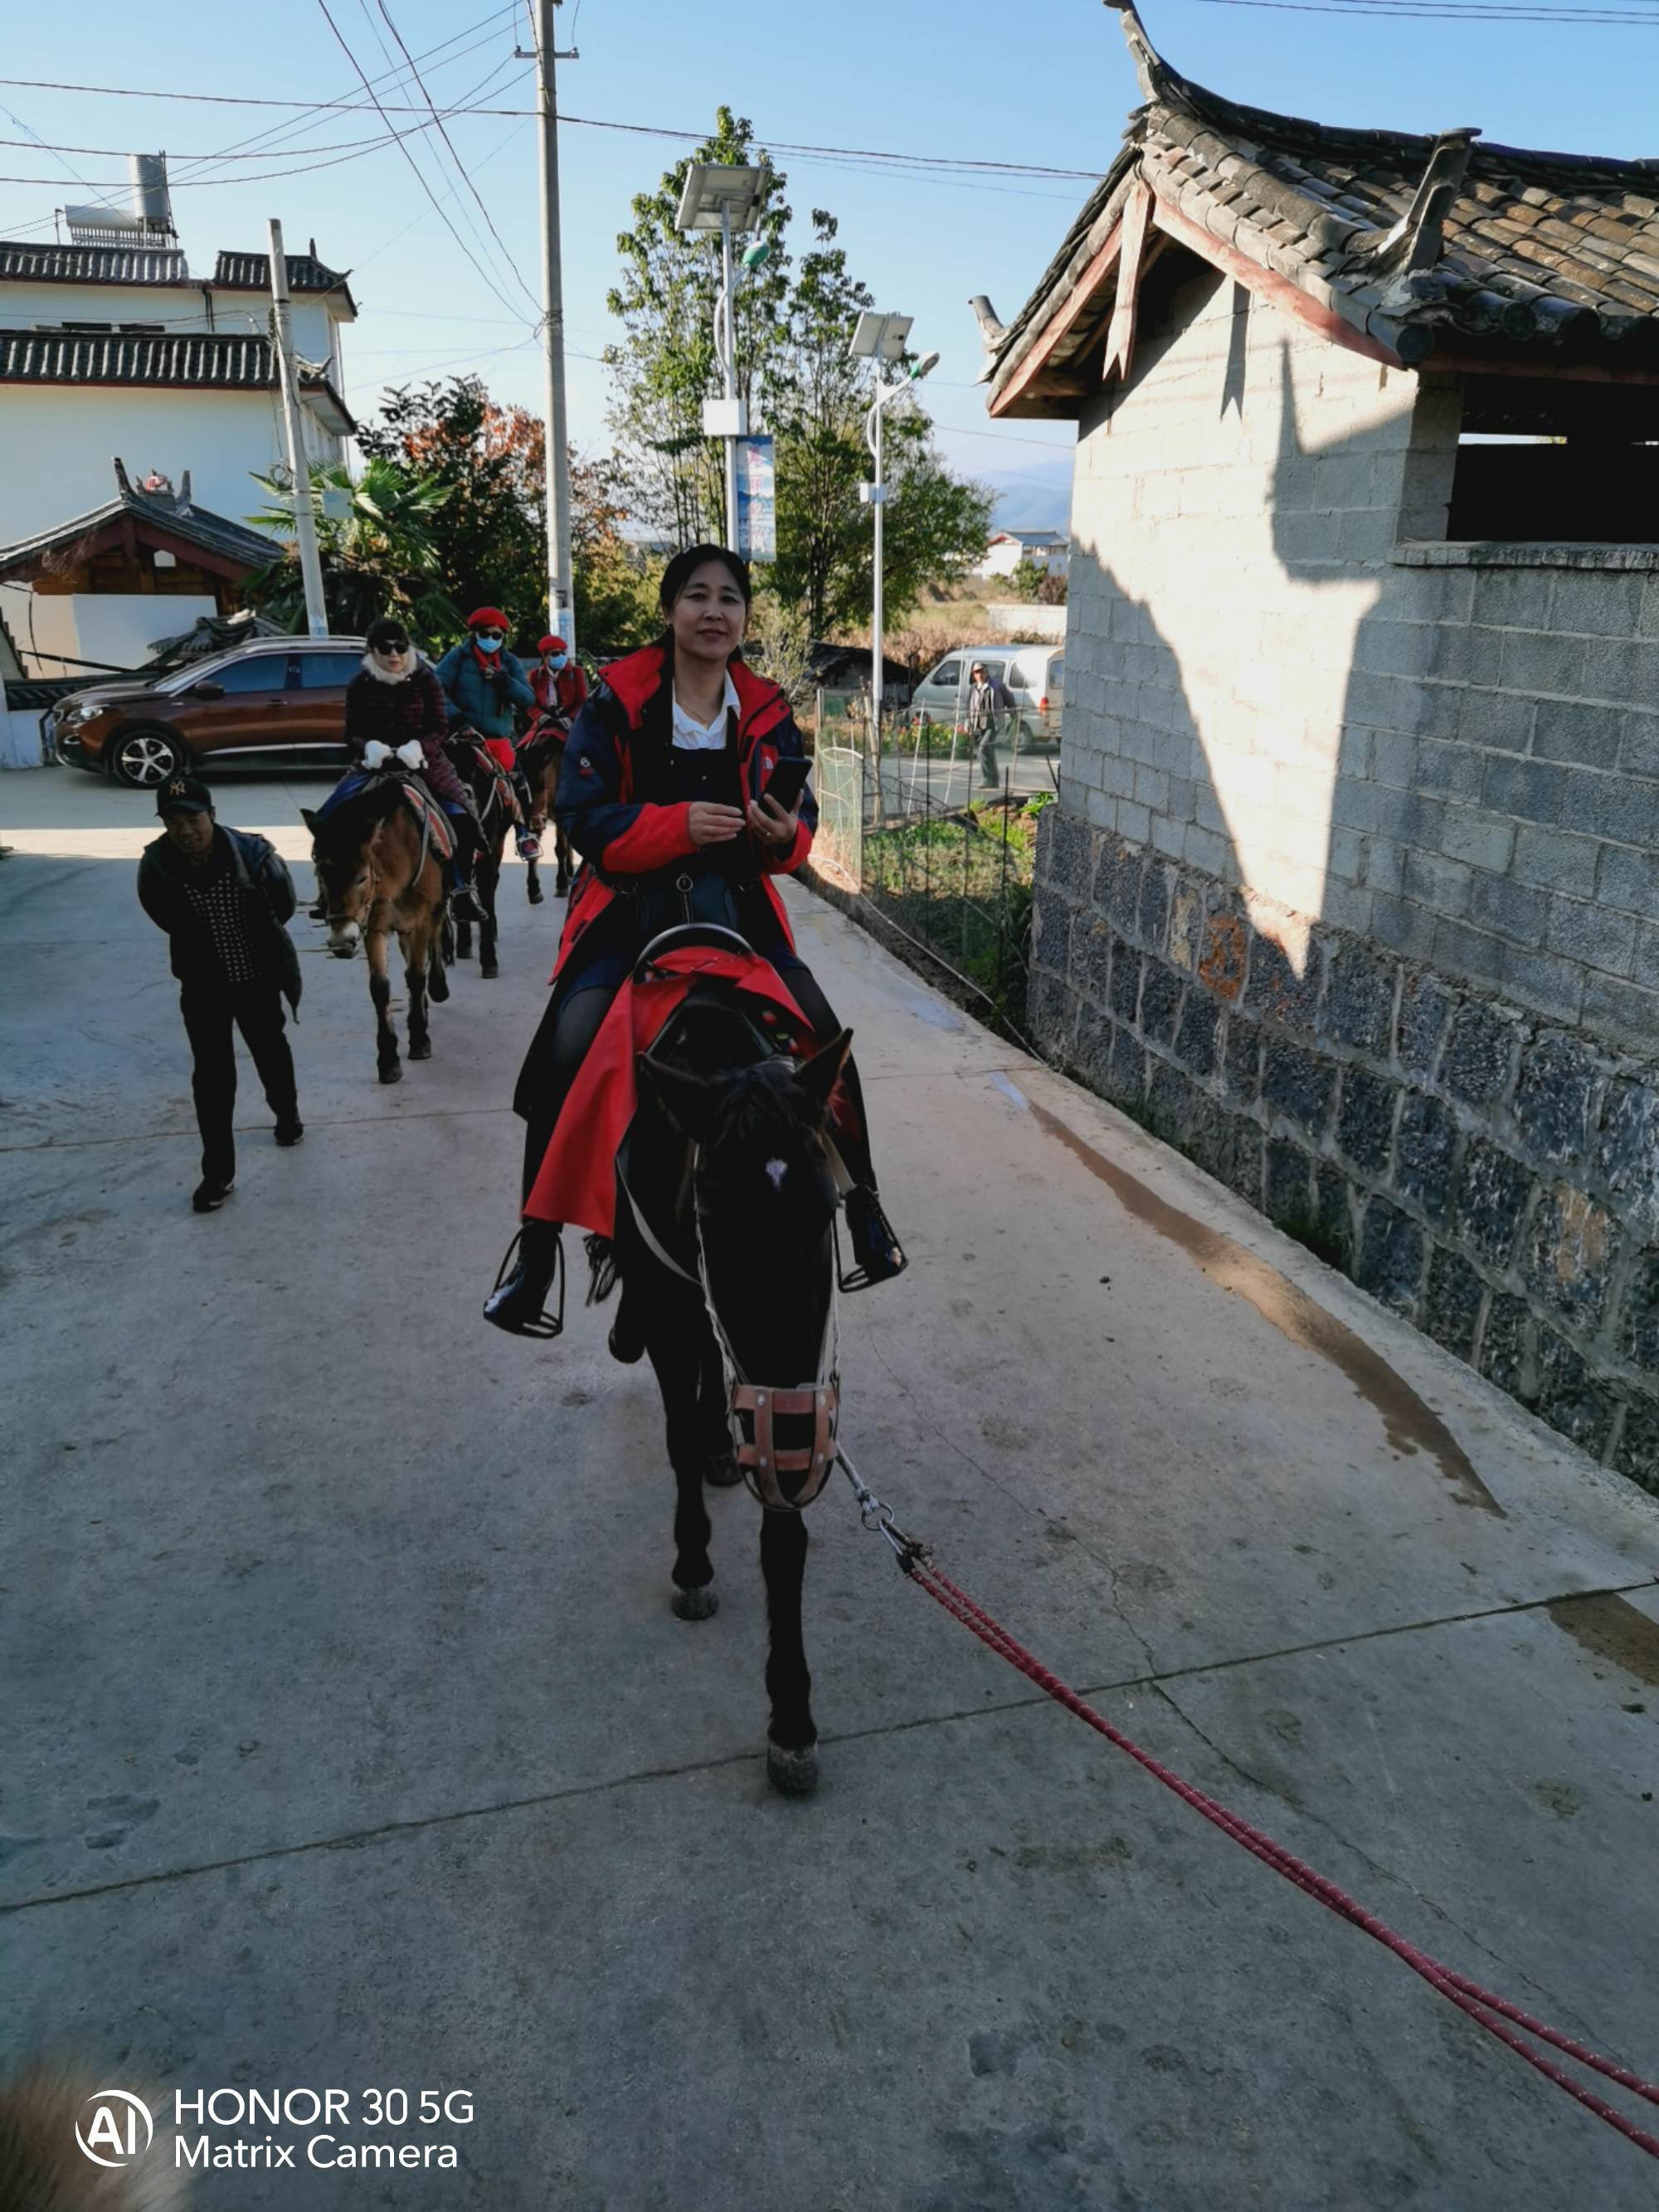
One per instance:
(726,1218)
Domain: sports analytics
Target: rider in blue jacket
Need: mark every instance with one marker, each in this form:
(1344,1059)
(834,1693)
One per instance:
(484,684)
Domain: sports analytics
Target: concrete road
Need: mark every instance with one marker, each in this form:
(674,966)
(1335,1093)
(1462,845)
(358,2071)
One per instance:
(349,1742)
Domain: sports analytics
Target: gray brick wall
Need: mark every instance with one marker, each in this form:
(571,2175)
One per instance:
(1353,888)
(1461,761)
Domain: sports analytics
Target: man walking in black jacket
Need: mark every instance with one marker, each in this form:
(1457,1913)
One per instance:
(222,896)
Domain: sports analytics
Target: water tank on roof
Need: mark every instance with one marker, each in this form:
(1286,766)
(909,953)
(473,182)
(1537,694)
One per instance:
(151,202)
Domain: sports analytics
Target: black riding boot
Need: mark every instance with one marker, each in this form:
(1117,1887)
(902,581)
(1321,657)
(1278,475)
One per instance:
(876,1253)
(469,848)
(519,1302)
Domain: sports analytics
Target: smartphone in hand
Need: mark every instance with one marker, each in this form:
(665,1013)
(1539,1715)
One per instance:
(787,781)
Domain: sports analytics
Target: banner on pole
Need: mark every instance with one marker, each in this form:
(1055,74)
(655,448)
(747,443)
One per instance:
(758,517)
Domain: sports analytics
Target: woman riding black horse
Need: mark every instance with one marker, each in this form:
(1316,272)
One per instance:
(663,794)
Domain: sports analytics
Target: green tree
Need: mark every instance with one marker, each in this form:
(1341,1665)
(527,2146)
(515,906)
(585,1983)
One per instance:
(663,367)
(794,371)
(377,542)
(817,401)
(491,536)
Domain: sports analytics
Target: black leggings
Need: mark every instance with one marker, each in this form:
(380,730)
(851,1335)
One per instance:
(561,1045)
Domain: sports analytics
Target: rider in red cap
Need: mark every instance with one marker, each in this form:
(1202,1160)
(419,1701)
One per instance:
(558,683)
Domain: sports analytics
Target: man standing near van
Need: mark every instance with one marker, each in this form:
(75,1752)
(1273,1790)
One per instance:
(987,703)
(222,896)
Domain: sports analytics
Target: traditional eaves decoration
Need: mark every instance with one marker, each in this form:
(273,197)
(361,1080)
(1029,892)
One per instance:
(170,520)
(1414,251)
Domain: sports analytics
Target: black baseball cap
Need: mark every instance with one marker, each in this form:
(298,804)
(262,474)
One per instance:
(183,794)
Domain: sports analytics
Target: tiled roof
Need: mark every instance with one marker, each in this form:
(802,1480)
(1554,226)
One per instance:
(1423,245)
(92,264)
(213,534)
(214,361)
(251,272)
(227,361)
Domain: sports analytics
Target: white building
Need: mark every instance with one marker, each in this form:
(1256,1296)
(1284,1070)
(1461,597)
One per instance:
(109,346)
(1048,550)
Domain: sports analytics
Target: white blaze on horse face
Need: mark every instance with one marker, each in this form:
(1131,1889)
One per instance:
(777,1170)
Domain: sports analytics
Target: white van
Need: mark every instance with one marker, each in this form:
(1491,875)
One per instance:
(1033,677)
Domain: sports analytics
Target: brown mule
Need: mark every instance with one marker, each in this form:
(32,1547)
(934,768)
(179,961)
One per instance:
(497,804)
(541,757)
(381,877)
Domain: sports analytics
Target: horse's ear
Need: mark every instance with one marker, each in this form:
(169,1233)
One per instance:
(311,821)
(823,1071)
(687,1100)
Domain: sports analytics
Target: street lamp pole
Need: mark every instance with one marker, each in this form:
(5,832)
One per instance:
(881,339)
(728,370)
(728,198)
(878,609)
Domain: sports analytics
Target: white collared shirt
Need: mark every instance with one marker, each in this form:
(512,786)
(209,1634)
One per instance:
(705,737)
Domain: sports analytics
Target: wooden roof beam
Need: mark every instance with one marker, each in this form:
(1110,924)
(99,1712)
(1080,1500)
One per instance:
(1077,301)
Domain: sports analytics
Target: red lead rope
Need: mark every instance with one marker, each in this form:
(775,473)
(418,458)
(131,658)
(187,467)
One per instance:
(1480,2004)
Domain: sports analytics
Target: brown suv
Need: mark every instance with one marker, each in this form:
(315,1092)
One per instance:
(278,698)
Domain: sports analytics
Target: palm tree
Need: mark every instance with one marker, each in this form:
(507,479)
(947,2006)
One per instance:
(374,540)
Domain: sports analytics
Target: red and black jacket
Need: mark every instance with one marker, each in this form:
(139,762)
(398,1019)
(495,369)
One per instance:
(618,836)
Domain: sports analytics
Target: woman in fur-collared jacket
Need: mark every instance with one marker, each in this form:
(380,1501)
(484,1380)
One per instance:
(395,696)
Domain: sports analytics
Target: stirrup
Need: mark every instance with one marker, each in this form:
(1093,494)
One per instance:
(547,1322)
(863,1274)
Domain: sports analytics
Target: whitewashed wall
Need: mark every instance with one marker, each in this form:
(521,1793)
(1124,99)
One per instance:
(56,441)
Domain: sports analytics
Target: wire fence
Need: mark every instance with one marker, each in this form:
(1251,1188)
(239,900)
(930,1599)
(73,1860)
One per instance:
(938,833)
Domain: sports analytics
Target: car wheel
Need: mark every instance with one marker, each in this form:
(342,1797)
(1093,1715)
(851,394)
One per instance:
(147,754)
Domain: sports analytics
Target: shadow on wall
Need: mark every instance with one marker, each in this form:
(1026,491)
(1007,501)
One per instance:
(1492,1177)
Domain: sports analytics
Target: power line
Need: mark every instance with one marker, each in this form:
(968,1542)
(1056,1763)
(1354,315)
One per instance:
(292,130)
(420,174)
(456,159)
(583,122)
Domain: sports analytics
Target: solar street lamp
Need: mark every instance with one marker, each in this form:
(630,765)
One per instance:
(881,339)
(726,198)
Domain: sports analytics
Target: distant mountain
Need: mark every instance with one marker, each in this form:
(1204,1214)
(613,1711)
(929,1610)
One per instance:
(1037,497)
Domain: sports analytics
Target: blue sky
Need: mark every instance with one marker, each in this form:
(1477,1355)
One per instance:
(1045,81)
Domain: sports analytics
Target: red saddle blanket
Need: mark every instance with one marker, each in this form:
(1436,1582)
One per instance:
(577,1181)
(428,812)
(503,782)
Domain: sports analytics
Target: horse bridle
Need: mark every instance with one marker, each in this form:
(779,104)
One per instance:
(759,1456)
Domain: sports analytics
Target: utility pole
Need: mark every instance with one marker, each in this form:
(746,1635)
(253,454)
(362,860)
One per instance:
(305,522)
(561,597)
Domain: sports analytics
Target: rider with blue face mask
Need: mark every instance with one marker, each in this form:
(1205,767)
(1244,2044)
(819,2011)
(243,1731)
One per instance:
(485,685)
(560,686)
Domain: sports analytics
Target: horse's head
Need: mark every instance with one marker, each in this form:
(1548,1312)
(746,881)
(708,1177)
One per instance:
(765,1195)
(345,852)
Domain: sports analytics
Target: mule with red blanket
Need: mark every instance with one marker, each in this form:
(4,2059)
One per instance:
(541,756)
(698,1148)
(706,1152)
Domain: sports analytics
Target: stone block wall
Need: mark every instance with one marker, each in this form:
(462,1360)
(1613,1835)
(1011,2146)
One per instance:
(1493,1177)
